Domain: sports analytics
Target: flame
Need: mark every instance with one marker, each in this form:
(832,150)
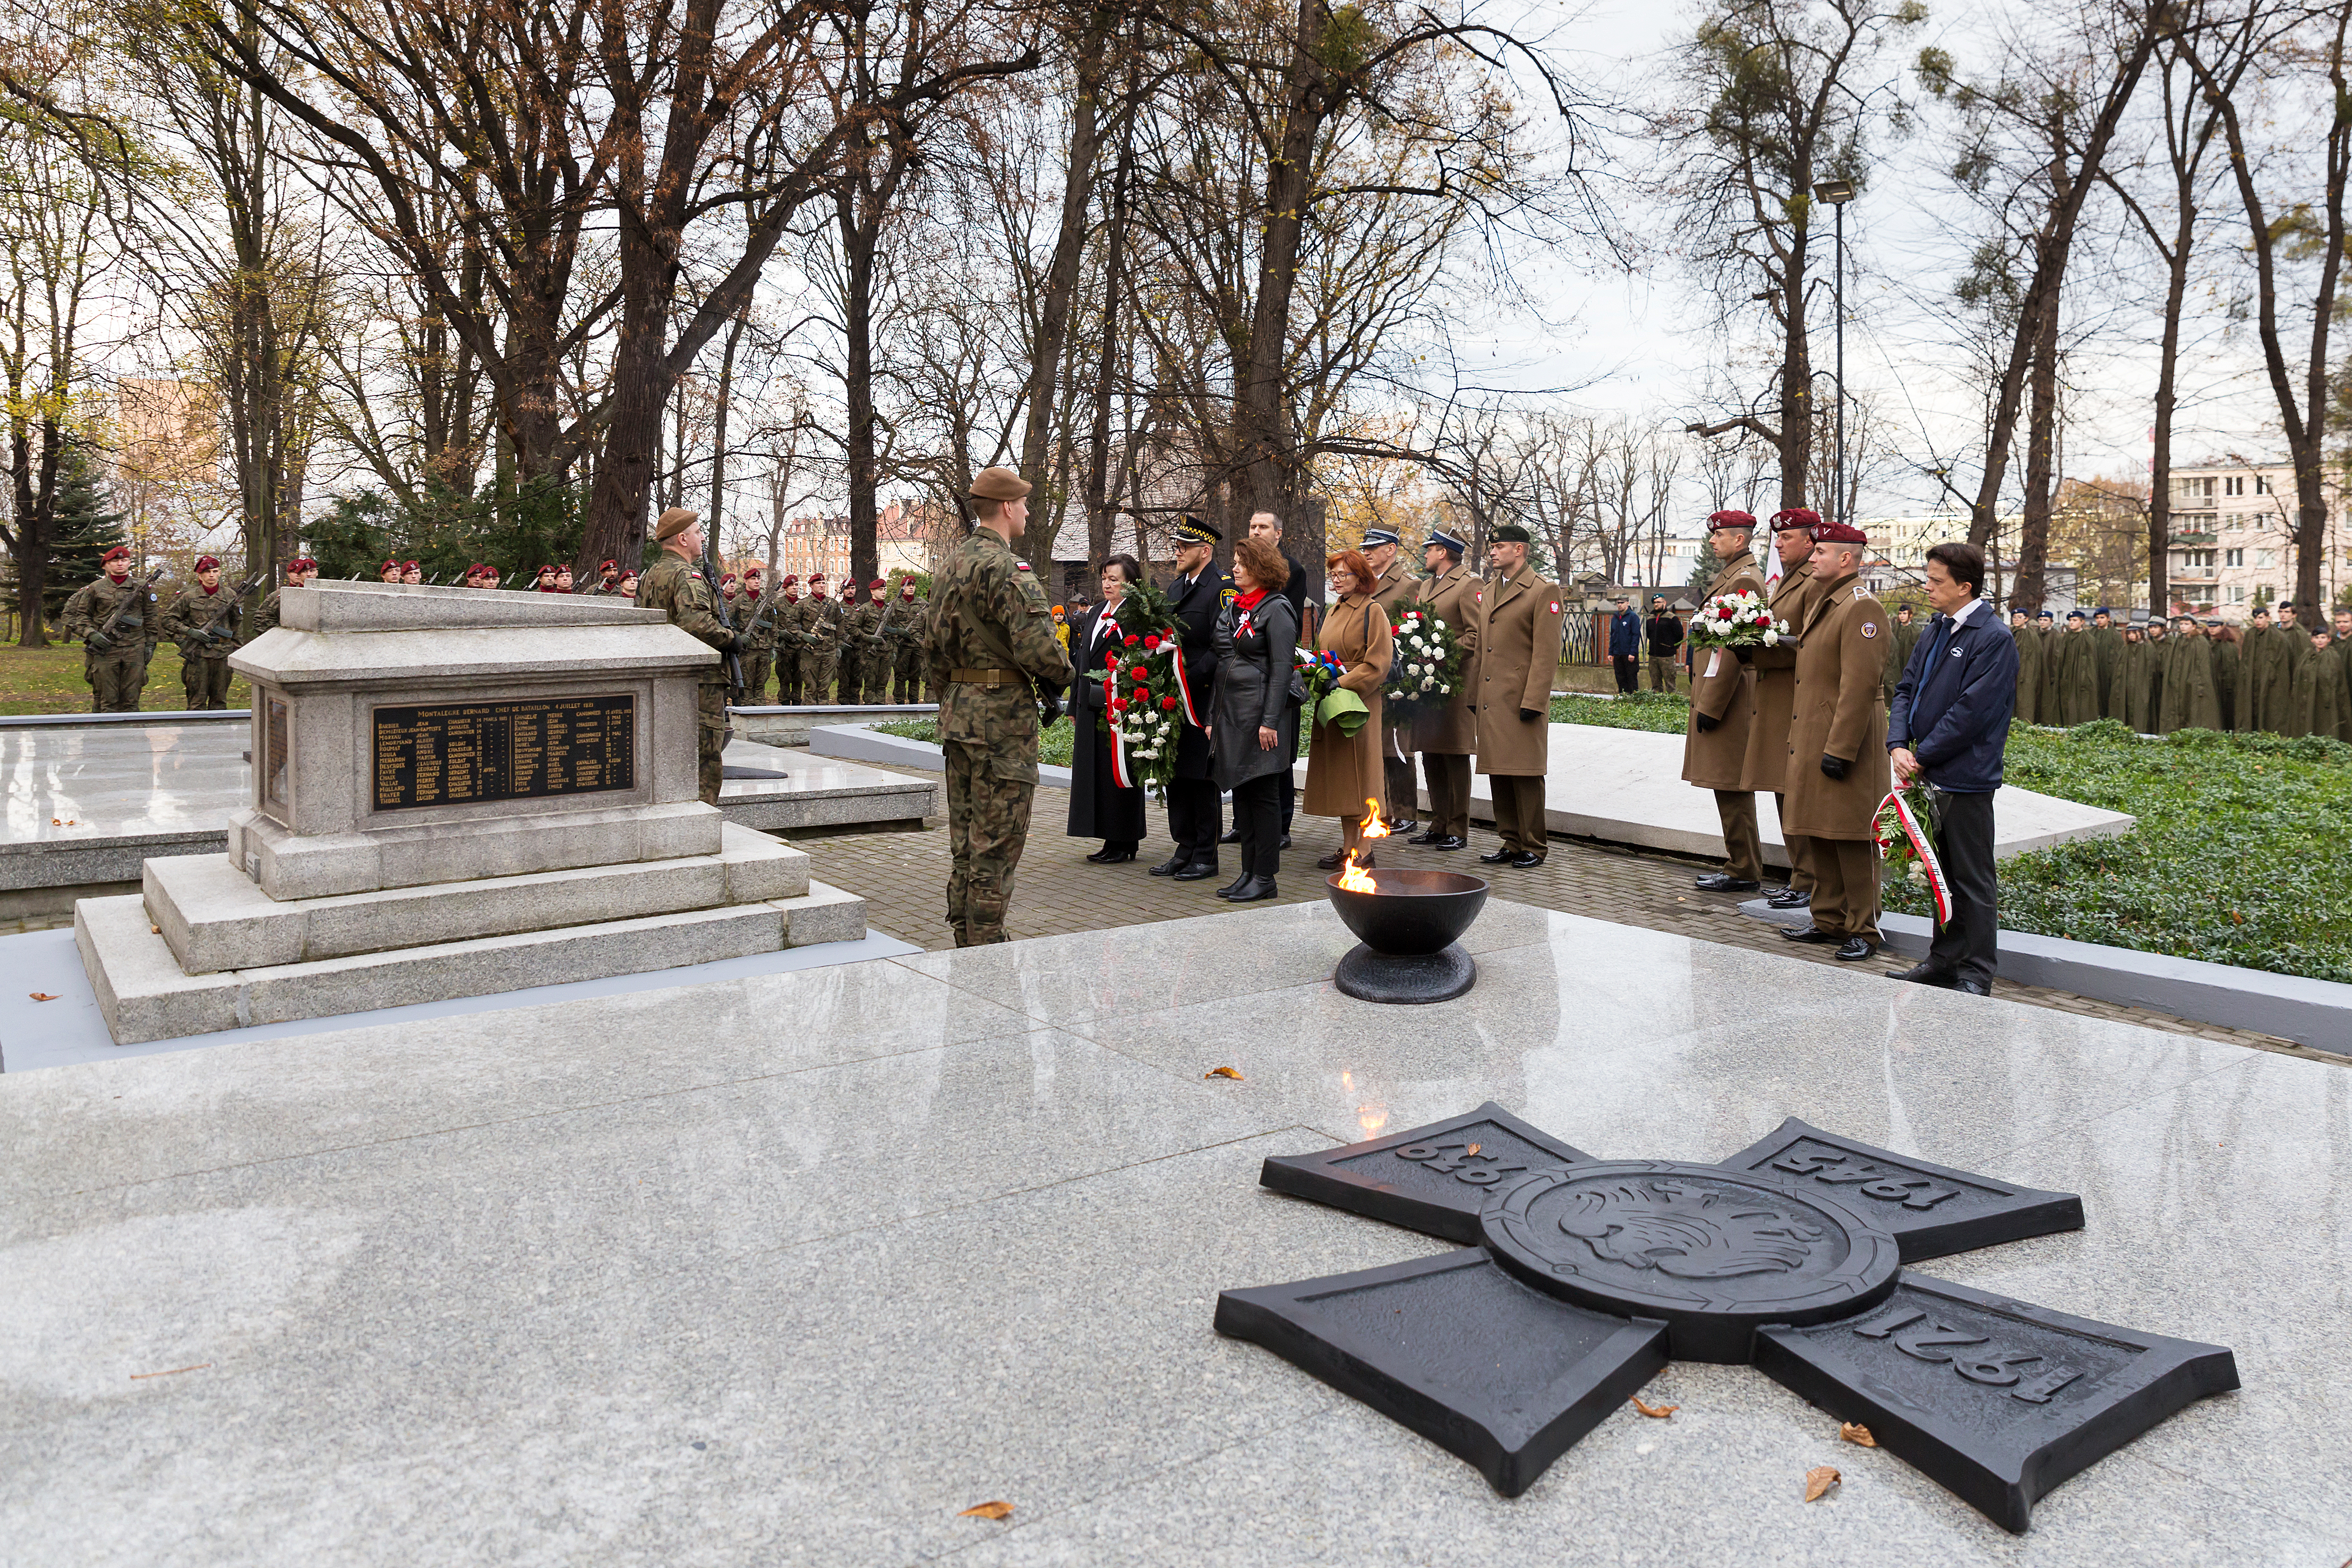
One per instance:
(1373,827)
(1371,1119)
(1354,878)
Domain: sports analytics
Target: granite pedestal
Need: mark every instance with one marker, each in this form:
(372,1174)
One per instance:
(797,1268)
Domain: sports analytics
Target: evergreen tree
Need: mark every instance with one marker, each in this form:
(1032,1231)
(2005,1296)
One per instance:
(86,528)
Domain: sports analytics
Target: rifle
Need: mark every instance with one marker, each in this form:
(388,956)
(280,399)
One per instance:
(231,605)
(136,596)
(734,664)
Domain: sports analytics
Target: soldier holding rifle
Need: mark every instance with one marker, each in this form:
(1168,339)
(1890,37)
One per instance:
(677,585)
(203,619)
(110,617)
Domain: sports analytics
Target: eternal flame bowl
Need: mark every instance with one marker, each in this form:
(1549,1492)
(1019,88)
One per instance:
(1408,927)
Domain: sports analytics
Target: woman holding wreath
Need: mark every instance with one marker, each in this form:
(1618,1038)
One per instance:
(1099,807)
(1253,727)
(1343,769)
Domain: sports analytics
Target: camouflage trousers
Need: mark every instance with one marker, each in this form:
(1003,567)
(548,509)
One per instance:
(709,736)
(816,672)
(990,739)
(757,667)
(116,679)
(909,685)
(206,680)
(788,677)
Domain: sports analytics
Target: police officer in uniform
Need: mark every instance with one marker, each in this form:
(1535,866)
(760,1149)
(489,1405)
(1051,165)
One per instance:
(205,629)
(1446,736)
(677,585)
(1201,590)
(1723,701)
(115,665)
(990,646)
(1393,590)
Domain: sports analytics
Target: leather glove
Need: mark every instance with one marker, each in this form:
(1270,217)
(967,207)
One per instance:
(1530,714)
(1835,767)
(99,642)
(1703,723)
(1049,705)
(1745,655)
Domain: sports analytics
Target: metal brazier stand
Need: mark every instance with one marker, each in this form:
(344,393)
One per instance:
(1587,1276)
(1408,928)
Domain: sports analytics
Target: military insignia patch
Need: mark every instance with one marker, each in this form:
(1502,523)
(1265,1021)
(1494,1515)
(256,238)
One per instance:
(1555,606)
(1870,628)
(1020,565)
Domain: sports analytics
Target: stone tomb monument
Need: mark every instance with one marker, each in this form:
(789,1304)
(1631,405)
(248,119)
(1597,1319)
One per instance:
(456,792)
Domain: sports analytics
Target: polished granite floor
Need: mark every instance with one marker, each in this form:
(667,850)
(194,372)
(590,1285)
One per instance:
(795,1268)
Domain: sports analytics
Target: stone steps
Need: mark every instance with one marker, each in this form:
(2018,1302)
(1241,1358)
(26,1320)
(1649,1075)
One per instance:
(144,996)
(215,919)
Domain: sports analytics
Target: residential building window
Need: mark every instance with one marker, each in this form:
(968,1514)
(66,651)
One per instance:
(2261,485)
(2238,594)
(2235,484)
(2266,557)
(2234,557)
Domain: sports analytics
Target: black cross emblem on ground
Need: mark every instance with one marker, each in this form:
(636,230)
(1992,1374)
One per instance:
(1587,1275)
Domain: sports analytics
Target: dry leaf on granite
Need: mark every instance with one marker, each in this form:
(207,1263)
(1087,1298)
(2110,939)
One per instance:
(41,996)
(1854,1432)
(1468,1152)
(1222,1072)
(1656,1412)
(1818,1481)
(988,1511)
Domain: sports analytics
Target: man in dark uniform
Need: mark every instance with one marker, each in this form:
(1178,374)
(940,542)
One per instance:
(1394,589)
(1446,736)
(1201,589)
(991,647)
(1625,645)
(115,664)
(677,585)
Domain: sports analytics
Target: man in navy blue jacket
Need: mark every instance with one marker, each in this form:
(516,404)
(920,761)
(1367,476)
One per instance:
(1949,725)
(1625,644)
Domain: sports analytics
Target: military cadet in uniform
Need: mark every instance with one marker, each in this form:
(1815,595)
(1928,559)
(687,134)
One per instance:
(874,678)
(608,579)
(676,583)
(907,647)
(2078,672)
(1446,736)
(1715,746)
(789,639)
(2029,666)
(990,646)
(115,664)
(1773,692)
(1898,652)
(300,572)
(758,635)
(820,620)
(1518,650)
(2265,674)
(205,626)
(1835,750)
(2110,644)
(412,573)
(861,620)
(1393,590)
(2190,700)
(1198,595)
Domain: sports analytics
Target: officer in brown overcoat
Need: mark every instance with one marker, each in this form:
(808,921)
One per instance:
(1392,590)
(1773,694)
(1446,736)
(1715,747)
(1518,650)
(1838,771)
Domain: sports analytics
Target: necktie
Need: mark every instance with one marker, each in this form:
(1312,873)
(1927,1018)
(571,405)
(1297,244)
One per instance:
(1935,646)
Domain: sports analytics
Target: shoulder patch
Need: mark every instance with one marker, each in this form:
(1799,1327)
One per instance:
(1020,565)
(1870,628)
(1860,593)
(1230,593)
(1555,606)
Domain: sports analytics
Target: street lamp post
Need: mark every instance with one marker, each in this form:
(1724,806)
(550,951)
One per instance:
(1837,194)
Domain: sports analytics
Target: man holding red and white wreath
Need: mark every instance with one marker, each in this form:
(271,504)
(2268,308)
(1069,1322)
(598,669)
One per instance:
(1195,816)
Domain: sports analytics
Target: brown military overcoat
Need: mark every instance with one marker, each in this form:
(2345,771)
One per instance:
(1773,694)
(1717,759)
(1449,597)
(1839,712)
(1344,772)
(1519,652)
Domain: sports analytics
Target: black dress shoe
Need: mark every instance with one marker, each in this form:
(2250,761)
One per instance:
(1255,888)
(1855,949)
(1527,861)
(1790,898)
(1408,825)
(1449,843)
(1330,862)
(1169,866)
(1808,933)
(1500,857)
(1230,836)
(1972,987)
(1286,841)
(1235,887)
(1198,870)
(1922,975)
(1113,857)
(1722,881)
(1102,854)
(1428,838)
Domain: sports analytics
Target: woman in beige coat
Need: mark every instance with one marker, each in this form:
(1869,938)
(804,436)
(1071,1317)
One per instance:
(1343,771)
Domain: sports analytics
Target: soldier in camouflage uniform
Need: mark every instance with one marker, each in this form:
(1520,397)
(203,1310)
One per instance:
(821,619)
(205,630)
(858,634)
(906,631)
(787,622)
(300,573)
(676,583)
(991,646)
(759,637)
(116,666)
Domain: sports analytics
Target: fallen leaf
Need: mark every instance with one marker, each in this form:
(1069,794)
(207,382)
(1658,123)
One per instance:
(1656,1412)
(1222,1072)
(1468,1152)
(56,821)
(175,1372)
(154,930)
(1854,1432)
(1818,1481)
(988,1511)
(41,997)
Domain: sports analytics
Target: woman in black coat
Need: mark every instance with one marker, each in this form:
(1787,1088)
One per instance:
(1253,727)
(1099,809)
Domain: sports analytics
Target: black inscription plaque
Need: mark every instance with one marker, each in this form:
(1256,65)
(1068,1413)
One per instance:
(1589,1274)
(453,754)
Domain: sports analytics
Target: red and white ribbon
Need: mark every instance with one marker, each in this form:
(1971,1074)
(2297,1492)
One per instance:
(1120,772)
(1183,686)
(1921,845)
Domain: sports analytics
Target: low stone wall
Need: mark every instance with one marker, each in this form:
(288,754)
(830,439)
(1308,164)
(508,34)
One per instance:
(791,726)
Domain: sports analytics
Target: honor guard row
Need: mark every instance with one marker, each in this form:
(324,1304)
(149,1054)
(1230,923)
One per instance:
(2278,675)
(119,622)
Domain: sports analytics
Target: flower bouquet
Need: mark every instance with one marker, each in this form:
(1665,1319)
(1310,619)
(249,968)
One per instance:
(1905,829)
(1329,702)
(1736,621)
(1147,699)
(1426,667)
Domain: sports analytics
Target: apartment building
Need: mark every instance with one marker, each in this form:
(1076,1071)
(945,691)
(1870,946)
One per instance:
(2233,542)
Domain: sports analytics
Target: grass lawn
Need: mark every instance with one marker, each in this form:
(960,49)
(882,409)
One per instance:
(49,680)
